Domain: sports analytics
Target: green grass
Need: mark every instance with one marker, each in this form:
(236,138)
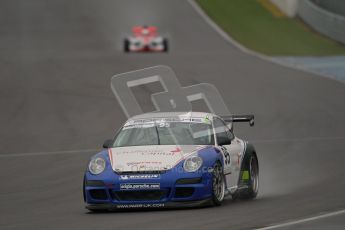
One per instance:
(249,23)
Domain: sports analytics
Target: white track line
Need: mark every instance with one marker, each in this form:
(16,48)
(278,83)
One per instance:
(286,224)
(48,153)
(245,50)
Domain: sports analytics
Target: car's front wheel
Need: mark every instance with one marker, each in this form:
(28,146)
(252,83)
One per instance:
(218,184)
(84,195)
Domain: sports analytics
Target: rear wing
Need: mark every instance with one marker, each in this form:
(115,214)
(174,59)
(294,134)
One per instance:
(239,118)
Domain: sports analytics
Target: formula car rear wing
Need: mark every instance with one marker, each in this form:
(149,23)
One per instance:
(239,118)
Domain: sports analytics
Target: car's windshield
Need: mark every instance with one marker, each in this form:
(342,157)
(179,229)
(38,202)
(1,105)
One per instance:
(163,132)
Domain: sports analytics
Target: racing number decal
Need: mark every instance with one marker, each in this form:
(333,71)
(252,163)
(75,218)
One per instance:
(227,158)
(164,124)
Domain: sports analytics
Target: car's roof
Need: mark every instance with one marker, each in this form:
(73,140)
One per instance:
(173,114)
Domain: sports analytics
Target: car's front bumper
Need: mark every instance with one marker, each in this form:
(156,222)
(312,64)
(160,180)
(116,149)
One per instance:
(170,189)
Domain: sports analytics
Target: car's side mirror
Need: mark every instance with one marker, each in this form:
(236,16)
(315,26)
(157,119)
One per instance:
(224,141)
(107,143)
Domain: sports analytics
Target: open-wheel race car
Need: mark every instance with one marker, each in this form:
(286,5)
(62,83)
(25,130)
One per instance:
(145,39)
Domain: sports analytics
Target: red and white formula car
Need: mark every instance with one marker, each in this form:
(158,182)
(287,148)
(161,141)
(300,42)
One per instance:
(145,39)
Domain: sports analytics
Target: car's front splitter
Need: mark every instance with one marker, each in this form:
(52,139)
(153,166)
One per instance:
(171,204)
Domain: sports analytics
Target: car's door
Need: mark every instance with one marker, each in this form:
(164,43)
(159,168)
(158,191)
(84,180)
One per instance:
(232,150)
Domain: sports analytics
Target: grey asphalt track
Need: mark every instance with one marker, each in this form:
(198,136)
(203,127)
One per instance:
(56,61)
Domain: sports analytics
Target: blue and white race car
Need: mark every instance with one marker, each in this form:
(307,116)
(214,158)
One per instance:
(159,160)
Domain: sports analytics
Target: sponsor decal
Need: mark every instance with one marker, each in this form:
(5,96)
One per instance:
(162,123)
(245,175)
(165,122)
(139,186)
(176,150)
(149,152)
(140,205)
(227,158)
(137,126)
(206,119)
(136,177)
(143,162)
(136,159)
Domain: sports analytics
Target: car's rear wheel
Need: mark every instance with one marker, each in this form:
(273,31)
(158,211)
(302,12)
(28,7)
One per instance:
(254,177)
(126,45)
(166,45)
(218,184)
(251,191)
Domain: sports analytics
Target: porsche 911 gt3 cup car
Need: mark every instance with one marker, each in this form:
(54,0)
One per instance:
(172,159)
(145,39)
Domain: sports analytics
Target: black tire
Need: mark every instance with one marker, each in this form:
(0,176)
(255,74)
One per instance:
(126,46)
(218,184)
(97,210)
(84,195)
(166,45)
(252,166)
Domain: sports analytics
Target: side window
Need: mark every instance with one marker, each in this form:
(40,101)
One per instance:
(222,131)
(230,133)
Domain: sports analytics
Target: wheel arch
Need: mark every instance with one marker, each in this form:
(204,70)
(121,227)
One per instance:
(211,155)
(249,151)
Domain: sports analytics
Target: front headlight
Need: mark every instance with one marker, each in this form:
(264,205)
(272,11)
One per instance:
(97,165)
(192,163)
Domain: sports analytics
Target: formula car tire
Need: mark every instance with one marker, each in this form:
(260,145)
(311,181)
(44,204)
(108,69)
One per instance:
(166,45)
(126,46)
